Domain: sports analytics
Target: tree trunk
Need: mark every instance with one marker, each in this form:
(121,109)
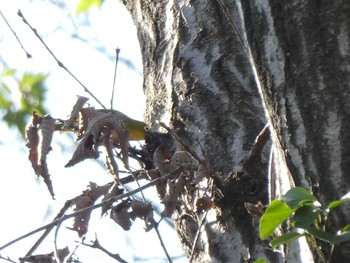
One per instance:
(218,71)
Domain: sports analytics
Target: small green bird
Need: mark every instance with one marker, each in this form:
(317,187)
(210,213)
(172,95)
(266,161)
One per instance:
(136,128)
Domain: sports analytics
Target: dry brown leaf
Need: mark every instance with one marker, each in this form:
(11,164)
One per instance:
(46,129)
(204,204)
(86,114)
(39,135)
(161,158)
(114,190)
(32,136)
(111,163)
(160,185)
(254,209)
(63,253)
(76,110)
(121,215)
(44,258)
(141,209)
(46,176)
(81,221)
(85,150)
(97,128)
(170,200)
(87,199)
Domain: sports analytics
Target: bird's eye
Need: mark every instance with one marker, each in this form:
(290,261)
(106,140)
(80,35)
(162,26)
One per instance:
(147,129)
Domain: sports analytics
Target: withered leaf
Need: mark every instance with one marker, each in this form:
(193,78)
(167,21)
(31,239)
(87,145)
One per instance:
(97,128)
(32,136)
(141,209)
(43,258)
(170,200)
(160,185)
(46,129)
(204,204)
(111,163)
(161,158)
(254,209)
(76,110)
(39,135)
(86,114)
(47,258)
(81,221)
(121,215)
(114,190)
(87,199)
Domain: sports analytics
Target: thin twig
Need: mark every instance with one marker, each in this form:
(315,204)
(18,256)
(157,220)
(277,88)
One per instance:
(259,144)
(17,38)
(155,226)
(233,25)
(67,258)
(108,201)
(210,184)
(96,244)
(48,230)
(60,64)
(7,259)
(55,242)
(197,236)
(117,51)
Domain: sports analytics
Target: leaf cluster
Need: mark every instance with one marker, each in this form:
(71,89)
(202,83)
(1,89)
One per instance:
(171,171)
(306,214)
(32,94)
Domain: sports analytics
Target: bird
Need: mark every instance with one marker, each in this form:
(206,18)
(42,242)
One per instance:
(137,129)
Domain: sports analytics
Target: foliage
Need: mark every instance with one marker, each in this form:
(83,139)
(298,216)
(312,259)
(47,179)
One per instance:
(84,5)
(16,112)
(306,214)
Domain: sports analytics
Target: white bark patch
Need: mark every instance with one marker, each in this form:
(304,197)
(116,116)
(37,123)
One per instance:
(273,52)
(332,136)
(343,41)
(299,252)
(198,58)
(232,247)
(167,62)
(236,148)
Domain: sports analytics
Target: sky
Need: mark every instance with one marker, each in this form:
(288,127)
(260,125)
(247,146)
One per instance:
(86,45)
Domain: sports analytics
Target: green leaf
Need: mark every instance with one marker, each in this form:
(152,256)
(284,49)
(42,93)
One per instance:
(275,214)
(346,228)
(329,237)
(285,238)
(297,196)
(339,202)
(260,260)
(305,216)
(8,73)
(85,5)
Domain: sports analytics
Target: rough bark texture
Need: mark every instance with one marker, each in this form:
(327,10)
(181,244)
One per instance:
(213,69)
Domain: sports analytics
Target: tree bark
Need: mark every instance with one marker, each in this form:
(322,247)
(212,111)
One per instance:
(218,71)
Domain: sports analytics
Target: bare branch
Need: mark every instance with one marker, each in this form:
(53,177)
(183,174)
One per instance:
(112,199)
(96,244)
(115,75)
(60,64)
(48,229)
(14,33)
(155,226)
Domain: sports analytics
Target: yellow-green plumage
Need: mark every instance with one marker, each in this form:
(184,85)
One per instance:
(135,127)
